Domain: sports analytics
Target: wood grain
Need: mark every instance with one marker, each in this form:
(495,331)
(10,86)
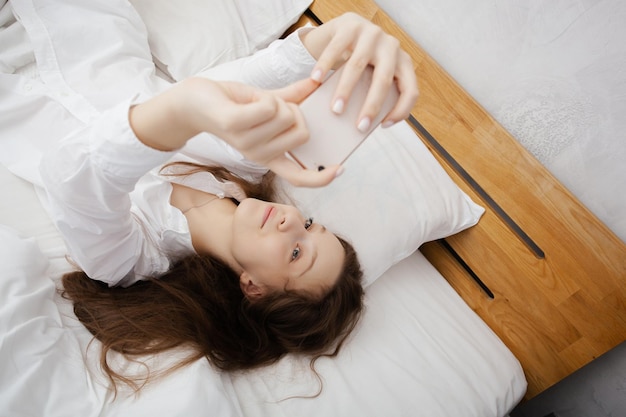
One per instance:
(555,314)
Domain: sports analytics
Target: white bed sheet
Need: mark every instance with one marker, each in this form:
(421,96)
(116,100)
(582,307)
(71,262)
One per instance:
(419,350)
(551,72)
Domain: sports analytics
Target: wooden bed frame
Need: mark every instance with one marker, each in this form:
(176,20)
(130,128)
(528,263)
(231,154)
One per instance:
(557,275)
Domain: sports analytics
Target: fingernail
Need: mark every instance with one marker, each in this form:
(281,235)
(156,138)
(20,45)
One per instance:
(388,123)
(339,171)
(338,106)
(317,75)
(364,124)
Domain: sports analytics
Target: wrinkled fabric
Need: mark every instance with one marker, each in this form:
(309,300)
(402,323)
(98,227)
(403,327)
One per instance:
(65,94)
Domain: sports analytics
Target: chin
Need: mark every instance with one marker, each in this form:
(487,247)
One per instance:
(251,204)
(249,209)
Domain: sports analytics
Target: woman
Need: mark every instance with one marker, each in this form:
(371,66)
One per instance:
(167,261)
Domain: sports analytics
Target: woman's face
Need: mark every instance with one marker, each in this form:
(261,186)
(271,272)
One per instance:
(278,248)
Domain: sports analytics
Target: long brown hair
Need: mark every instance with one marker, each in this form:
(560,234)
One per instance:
(198,303)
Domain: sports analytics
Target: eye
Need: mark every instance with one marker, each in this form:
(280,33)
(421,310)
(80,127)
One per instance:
(308,223)
(295,253)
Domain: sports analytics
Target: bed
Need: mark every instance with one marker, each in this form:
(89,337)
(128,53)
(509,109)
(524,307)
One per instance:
(421,348)
(418,350)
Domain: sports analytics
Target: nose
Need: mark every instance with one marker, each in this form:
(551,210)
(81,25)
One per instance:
(288,222)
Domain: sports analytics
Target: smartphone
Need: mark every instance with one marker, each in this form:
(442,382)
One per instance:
(335,137)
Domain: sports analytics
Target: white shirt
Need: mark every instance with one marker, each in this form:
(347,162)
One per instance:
(103,190)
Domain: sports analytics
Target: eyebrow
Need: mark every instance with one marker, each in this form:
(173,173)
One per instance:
(313,259)
(314,256)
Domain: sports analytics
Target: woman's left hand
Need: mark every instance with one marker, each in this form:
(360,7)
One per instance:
(357,42)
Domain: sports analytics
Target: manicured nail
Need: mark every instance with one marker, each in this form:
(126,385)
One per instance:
(364,124)
(317,75)
(388,123)
(338,106)
(339,171)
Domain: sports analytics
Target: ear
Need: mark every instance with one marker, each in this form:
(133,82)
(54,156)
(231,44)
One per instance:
(248,287)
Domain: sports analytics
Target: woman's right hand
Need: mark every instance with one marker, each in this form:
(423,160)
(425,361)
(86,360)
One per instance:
(262,125)
(257,123)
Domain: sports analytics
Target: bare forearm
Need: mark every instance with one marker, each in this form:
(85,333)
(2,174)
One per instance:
(159,122)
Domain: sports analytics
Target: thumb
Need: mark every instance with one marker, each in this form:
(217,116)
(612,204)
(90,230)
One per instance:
(297,91)
(296,175)
(238,92)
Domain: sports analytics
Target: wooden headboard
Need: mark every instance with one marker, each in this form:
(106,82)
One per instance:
(556,273)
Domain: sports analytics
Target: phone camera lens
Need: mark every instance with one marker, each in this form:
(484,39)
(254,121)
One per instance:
(321,168)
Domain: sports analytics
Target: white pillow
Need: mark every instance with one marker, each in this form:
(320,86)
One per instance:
(190,35)
(392,197)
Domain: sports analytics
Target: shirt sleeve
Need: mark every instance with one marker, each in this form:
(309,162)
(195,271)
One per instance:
(283,62)
(88,177)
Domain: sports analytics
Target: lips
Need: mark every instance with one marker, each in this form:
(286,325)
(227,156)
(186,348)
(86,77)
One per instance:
(266,215)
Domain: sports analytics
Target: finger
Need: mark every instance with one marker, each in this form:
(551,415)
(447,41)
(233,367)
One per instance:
(296,175)
(409,92)
(252,106)
(239,92)
(333,56)
(362,56)
(297,91)
(379,90)
(275,136)
(297,134)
